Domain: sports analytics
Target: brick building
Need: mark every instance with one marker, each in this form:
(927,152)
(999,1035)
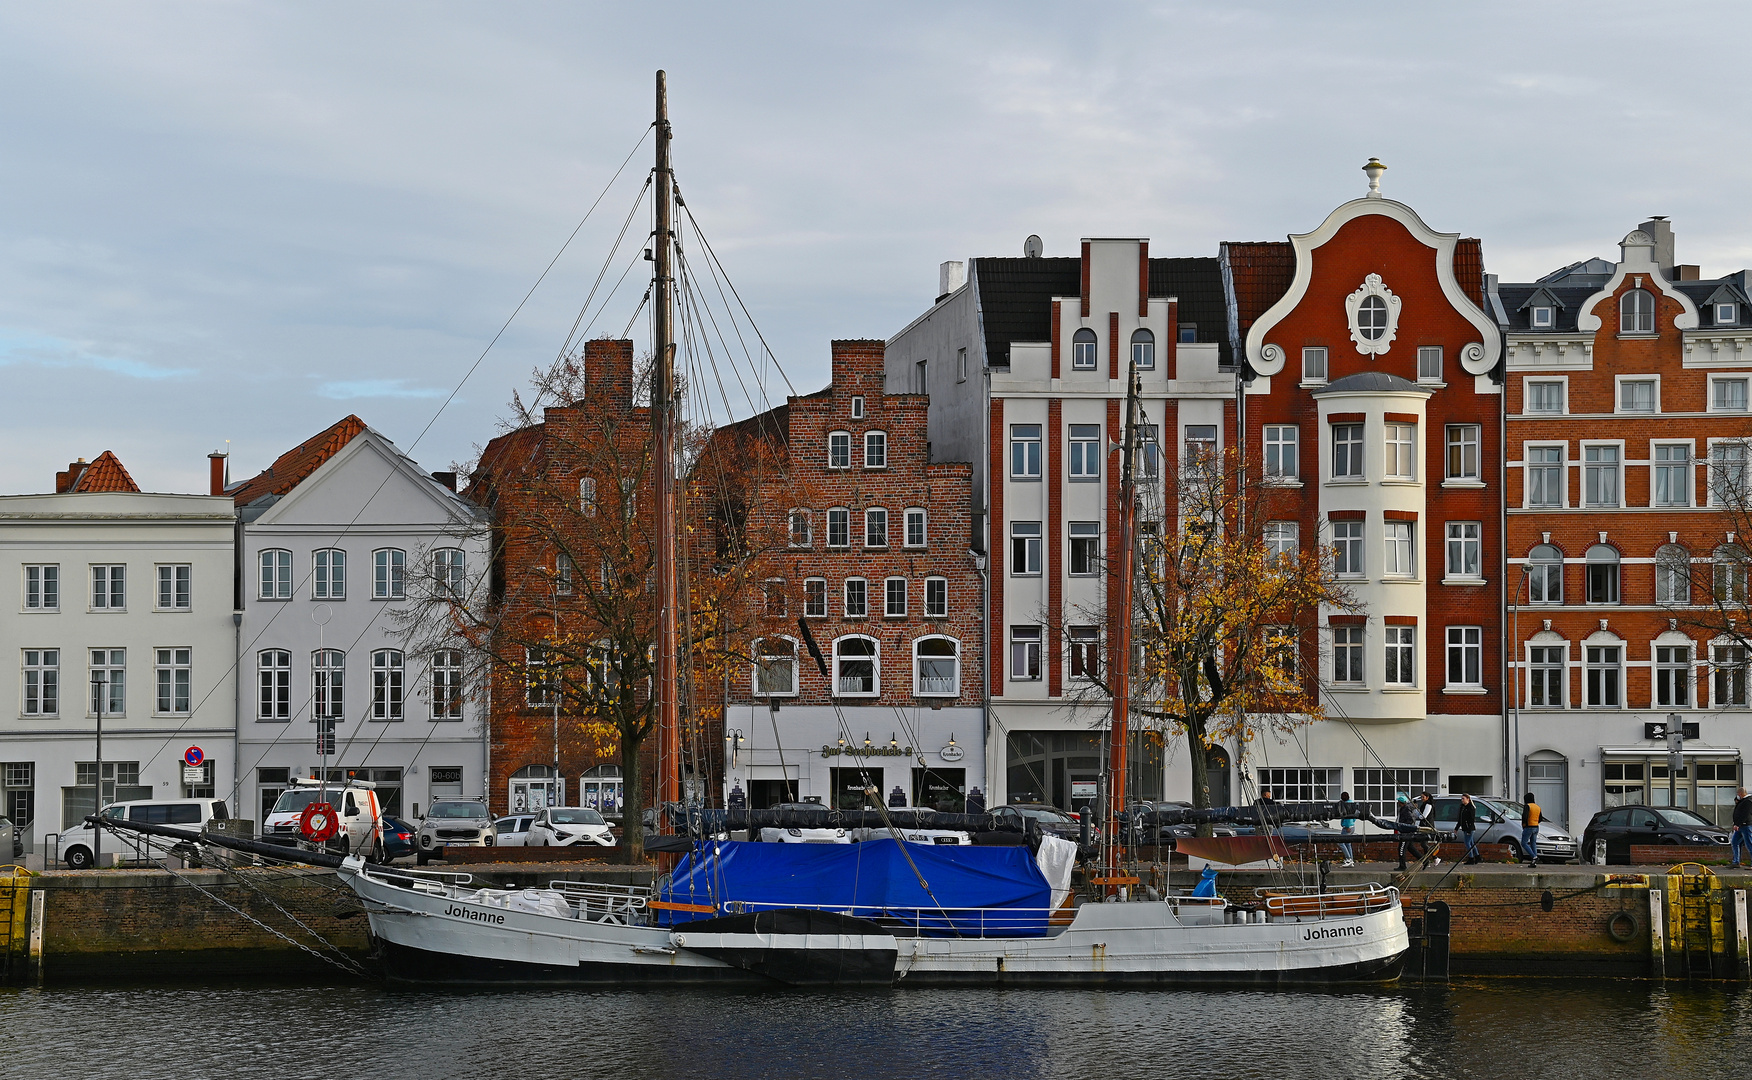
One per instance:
(873,557)
(1626,408)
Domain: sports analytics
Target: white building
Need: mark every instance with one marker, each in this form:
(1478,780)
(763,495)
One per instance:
(135,590)
(340,536)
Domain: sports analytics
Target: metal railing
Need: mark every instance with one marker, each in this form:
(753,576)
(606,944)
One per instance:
(604,903)
(1312,902)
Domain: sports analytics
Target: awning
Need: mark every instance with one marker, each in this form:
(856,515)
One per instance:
(1658,750)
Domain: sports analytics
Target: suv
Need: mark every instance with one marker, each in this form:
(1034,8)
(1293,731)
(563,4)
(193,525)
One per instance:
(361,815)
(1499,822)
(1623,826)
(77,845)
(453,823)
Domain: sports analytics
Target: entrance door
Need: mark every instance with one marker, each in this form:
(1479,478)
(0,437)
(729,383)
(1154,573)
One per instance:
(1217,775)
(1548,780)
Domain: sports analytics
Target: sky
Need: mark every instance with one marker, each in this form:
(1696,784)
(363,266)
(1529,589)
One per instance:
(227,225)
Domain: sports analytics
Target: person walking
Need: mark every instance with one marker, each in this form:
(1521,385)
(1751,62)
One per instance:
(1467,822)
(1346,826)
(1426,821)
(1405,822)
(1530,831)
(1742,828)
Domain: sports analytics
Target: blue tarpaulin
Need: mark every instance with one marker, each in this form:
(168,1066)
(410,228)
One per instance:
(973,890)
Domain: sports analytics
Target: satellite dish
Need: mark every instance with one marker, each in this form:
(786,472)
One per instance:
(1032,248)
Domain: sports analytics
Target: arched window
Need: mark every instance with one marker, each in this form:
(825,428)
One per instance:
(1143,349)
(1730,574)
(600,789)
(856,667)
(1602,566)
(587,496)
(1672,575)
(386,684)
(449,571)
(1545,575)
(533,787)
(1636,312)
(775,667)
(1372,317)
(328,574)
(1083,350)
(276,574)
(936,667)
(389,567)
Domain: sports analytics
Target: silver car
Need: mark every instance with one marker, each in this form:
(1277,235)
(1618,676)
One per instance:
(1499,822)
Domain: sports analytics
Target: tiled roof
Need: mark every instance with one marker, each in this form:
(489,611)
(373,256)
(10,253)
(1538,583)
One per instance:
(1198,283)
(291,468)
(515,453)
(105,473)
(1563,316)
(1469,269)
(1259,274)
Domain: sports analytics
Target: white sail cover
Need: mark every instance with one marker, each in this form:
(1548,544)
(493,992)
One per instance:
(1057,857)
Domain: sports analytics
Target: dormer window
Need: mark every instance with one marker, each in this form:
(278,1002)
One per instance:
(1636,313)
(1727,314)
(1542,318)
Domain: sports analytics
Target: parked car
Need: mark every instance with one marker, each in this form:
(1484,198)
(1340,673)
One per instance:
(1052,820)
(1623,825)
(77,845)
(17,834)
(512,831)
(1163,834)
(355,801)
(803,835)
(569,826)
(1499,822)
(453,823)
(398,838)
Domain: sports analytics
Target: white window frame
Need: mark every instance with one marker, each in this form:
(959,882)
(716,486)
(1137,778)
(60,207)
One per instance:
(1398,451)
(274,684)
(914,537)
(1353,453)
(1618,384)
(1456,545)
(1715,381)
(1026,641)
(1455,437)
(1465,645)
(894,589)
(274,574)
(763,664)
(1283,539)
(1597,467)
(1542,317)
(800,526)
(1085,349)
(1028,533)
(389,574)
(325,582)
(1143,348)
(1556,675)
(1352,557)
(1087,534)
(40,588)
(1542,568)
(105,591)
(40,682)
(1025,440)
(328,684)
(875,449)
(1672,583)
(1083,650)
(1349,641)
(172,680)
(114,664)
(875,659)
(1399,549)
(175,587)
(1610,674)
(1527,385)
(1561,466)
(1084,453)
(1617,577)
(961,365)
(842,517)
(1399,656)
(587,496)
(1727,314)
(839,449)
(1282,452)
(919,690)
(1713,472)
(860,587)
(1728,675)
(1685,466)
(936,597)
(815,589)
(1429,363)
(876,527)
(1673,674)
(1314,360)
(447,684)
(389,688)
(450,571)
(857,406)
(1625,316)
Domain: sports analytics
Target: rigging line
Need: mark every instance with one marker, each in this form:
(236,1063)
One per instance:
(602,272)
(882,812)
(729,358)
(611,293)
(690,300)
(627,331)
(736,325)
(713,255)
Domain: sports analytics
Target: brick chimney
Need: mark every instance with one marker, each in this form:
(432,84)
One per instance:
(608,369)
(64,481)
(448,479)
(216,472)
(858,366)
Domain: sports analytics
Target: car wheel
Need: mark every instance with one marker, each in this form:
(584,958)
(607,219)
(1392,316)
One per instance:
(79,858)
(377,852)
(1514,847)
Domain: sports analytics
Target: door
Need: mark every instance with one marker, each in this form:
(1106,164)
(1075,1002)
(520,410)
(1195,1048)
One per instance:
(1644,828)
(1548,780)
(1217,776)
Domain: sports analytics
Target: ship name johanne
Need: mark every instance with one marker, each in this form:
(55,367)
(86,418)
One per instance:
(474,916)
(1318,933)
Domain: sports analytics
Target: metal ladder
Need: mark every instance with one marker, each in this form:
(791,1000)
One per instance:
(1694,933)
(14,924)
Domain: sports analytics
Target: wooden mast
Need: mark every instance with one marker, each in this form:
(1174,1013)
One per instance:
(663,409)
(1120,634)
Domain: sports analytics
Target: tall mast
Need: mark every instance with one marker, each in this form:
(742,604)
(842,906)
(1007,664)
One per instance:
(663,406)
(1120,632)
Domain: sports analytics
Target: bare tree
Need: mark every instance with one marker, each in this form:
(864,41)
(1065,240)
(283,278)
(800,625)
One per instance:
(1706,591)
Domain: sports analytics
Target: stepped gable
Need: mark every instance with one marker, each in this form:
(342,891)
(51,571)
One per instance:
(290,468)
(106,473)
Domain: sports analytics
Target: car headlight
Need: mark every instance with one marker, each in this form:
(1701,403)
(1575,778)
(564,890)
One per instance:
(1695,839)
(562,836)
(794,832)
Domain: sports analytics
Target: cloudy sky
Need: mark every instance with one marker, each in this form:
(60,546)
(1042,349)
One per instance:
(240,222)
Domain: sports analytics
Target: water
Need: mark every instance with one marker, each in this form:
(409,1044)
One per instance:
(1487,1029)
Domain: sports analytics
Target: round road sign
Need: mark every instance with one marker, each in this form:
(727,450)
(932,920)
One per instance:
(192,757)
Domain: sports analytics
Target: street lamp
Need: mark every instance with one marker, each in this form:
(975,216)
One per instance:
(99,691)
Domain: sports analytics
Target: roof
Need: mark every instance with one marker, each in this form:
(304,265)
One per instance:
(1198,283)
(104,473)
(1260,273)
(1469,268)
(1568,291)
(1372,382)
(1565,299)
(291,468)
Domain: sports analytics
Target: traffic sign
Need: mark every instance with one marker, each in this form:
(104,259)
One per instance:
(192,757)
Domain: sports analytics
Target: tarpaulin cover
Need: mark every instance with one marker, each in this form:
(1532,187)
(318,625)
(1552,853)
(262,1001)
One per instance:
(991,890)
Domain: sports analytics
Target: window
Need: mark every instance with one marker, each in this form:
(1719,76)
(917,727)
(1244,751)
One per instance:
(42,682)
(839,449)
(1465,656)
(1347,654)
(1085,649)
(1401,655)
(1282,538)
(839,527)
(42,587)
(1025,653)
(1463,550)
(1545,575)
(1024,548)
(1728,395)
(1347,451)
(1672,474)
(275,574)
(1673,675)
(171,673)
(936,598)
(858,406)
(1025,451)
(775,603)
(449,571)
(1401,451)
(855,667)
(1314,364)
(1085,548)
(1545,397)
(18,782)
(1545,476)
(875,450)
(389,568)
(1545,676)
(937,666)
(1380,789)
(1636,313)
(915,528)
(1429,363)
(447,684)
(587,496)
(857,598)
(1600,475)
(109,668)
(1085,452)
(876,527)
(1727,473)
(328,672)
(1727,314)
(1303,785)
(1399,553)
(1143,353)
(1280,656)
(775,667)
(1542,318)
(1201,445)
(1372,317)
(815,598)
(1603,676)
(961,365)
(1149,452)
(1728,569)
(800,533)
(1730,675)
(1188,333)
(894,598)
(1463,451)
(386,684)
(1672,575)
(109,588)
(274,679)
(1636,395)
(1280,452)
(1602,574)
(541,682)
(1347,548)
(1083,350)
(564,573)
(328,574)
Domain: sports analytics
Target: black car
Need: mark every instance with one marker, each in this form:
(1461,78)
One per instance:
(398,838)
(1623,826)
(1053,821)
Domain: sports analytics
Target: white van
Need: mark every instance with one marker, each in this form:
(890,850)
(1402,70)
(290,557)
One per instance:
(361,816)
(76,846)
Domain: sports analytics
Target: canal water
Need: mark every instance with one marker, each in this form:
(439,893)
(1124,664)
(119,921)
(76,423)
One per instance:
(1488,1029)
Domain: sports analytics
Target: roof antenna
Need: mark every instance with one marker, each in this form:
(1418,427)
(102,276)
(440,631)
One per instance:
(1373,170)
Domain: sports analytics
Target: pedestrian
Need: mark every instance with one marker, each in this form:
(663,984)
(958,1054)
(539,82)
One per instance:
(1265,797)
(1468,821)
(1742,827)
(1530,831)
(1426,822)
(1405,824)
(1346,826)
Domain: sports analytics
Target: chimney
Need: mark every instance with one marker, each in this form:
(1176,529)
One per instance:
(448,479)
(950,276)
(1661,230)
(608,369)
(64,481)
(216,472)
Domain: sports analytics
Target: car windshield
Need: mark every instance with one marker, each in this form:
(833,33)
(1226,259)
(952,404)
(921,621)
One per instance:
(1684,818)
(1047,814)
(1508,809)
(295,800)
(457,810)
(567,816)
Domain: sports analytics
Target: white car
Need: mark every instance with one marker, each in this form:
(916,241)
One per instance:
(360,820)
(568,826)
(949,837)
(513,831)
(77,844)
(804,836)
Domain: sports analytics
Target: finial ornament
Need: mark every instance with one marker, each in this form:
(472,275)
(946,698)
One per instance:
(1373,170)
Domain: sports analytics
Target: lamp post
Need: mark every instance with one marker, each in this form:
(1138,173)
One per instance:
(99,691)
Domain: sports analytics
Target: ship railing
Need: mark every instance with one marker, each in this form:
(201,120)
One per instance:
(429,881)
(595,902)
(939,922)
(1312,902)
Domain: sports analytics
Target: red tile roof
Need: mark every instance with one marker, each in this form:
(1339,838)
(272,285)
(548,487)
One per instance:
(1469,269)
(290,468)
(105,473)
(1261,273)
